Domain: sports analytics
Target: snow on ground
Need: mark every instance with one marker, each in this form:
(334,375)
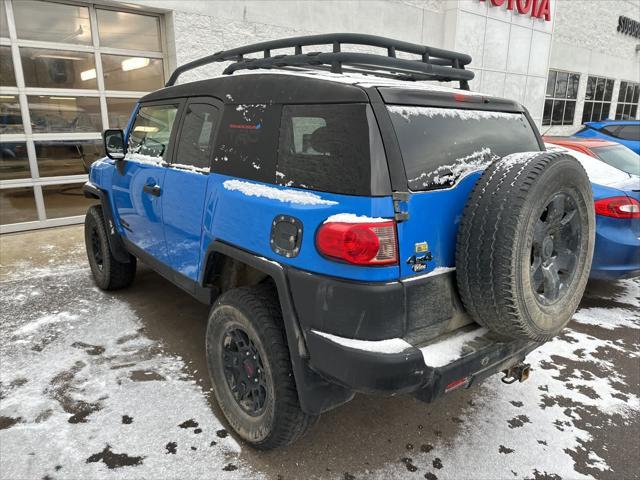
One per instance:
(543,428)
(85,394)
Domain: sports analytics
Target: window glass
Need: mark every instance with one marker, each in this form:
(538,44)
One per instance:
(67,157)
(132,73)
(14,161)
(620,157)
(327,147)
(4,28)
(66,200)
(627,101)
(608,90)
(247,142)
(591,88)
(440,145)
(7,75)
(52,22)
(119,110)
(557,110)
(58,68)
(597,104)
(17,205)
(636,93)
(623,91)
(151,132)
(630,132)
(196,135)
(10,114)
(51,114)
(129,30)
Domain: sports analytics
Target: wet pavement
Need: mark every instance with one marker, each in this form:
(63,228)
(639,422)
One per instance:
(97,385)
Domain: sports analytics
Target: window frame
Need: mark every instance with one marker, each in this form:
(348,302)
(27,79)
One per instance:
(216,104)
(35,180)
(624,103)
(593,102)
(562,100)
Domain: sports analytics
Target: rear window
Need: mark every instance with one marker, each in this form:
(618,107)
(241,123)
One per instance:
(620,157)
(441,145)
(332,148)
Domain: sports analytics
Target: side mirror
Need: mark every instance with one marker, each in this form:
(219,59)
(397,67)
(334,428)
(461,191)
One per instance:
(114,144)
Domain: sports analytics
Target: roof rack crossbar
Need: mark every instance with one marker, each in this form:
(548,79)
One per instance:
(433,64)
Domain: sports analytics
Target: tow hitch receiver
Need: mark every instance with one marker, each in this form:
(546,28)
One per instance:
(518,372)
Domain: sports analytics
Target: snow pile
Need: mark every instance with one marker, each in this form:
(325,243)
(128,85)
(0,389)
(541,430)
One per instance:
(391,345)
(144,159)
(431,112)
(353,218)
(286,196)
(442,353)
(461,167)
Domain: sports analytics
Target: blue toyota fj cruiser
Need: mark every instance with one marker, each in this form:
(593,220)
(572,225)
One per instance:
(355,227)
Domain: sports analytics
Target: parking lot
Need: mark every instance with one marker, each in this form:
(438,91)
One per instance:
(97,385)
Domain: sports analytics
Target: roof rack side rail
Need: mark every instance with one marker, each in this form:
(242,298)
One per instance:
(434,63)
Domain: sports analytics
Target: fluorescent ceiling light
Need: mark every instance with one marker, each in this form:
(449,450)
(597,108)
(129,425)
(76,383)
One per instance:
(7,97)
(62,98)
(134,63)
(88,74)
(145,129)
(58,57)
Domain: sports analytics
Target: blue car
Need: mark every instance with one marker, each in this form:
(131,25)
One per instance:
(626,132)
(616,197)
(353,226)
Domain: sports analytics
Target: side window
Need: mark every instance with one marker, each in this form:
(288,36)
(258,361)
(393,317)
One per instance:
(630,132)
(329,148)
(151,131)
(611,130)
(247,142)
(196,136)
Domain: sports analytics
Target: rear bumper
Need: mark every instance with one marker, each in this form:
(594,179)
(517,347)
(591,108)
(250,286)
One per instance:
(391,367)
(617,249)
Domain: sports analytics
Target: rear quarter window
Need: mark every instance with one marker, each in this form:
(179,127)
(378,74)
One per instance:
(248,142)
(333,148)
(439,146)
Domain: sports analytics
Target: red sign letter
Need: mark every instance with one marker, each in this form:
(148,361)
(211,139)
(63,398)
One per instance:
(497,3)
(524,6)
(544,10)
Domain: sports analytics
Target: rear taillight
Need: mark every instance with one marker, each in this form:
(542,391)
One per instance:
(372,243)
(618,207)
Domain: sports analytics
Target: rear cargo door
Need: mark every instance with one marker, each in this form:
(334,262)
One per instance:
(444,151)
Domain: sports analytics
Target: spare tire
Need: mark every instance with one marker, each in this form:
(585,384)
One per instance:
(525,244)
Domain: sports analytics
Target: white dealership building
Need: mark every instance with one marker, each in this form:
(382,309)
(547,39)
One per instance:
(70,69)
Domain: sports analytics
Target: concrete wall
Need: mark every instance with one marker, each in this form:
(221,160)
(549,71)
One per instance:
(586,41)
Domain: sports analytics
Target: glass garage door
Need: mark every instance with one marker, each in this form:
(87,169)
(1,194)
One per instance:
(67,71)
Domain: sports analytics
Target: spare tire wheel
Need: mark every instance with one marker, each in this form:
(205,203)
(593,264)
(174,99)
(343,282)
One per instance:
(525,244)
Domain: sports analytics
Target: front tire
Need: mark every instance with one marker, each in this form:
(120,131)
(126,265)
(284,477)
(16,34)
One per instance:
(250,368)
(108,273)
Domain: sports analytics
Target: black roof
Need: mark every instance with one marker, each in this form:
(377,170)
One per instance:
(265,88)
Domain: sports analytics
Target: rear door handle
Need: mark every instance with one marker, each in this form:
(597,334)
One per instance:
(152,189)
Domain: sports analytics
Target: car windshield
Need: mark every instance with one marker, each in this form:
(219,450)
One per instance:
(620,157)
(439,146)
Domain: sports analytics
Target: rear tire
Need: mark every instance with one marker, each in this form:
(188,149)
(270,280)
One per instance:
(108,273)
(525,244)
(247,349)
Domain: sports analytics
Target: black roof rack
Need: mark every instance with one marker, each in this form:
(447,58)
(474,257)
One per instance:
(433,64)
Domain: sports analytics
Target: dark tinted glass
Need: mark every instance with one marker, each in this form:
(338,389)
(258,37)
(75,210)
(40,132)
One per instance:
(551,83)
(591,88)
(608,90)
(196,136)
(569,111)
(17,205)
(630,132)
(65,200)
(634,110)
(600,89)
(10,114)
(7,77)
(586,112)
(561,85)
(14,161)
(548,107)
(328,148)
(572,90)
(441,145)
(636,93)
(247,142)
(67,157)
(558,110)
(622,92)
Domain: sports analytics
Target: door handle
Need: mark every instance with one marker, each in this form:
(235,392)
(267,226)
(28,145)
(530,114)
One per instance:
(152,189)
